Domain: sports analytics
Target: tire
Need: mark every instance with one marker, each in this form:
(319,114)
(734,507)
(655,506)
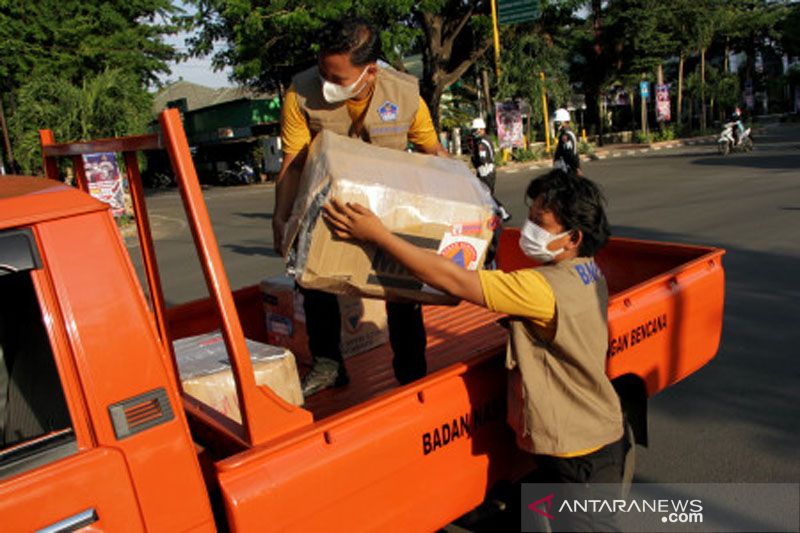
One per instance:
(748,144)
(723,148)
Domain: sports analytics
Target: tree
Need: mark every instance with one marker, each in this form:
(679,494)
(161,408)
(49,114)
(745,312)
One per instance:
(266,42)
(67,41)
(101,106)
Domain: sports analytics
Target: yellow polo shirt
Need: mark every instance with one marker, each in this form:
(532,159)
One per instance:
(526,294)
(295,134)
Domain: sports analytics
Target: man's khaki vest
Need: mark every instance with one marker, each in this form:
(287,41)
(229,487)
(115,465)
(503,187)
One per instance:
(560,400)
(389,113)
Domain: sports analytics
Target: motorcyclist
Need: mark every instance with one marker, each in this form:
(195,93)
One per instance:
(566,154)
(738,127)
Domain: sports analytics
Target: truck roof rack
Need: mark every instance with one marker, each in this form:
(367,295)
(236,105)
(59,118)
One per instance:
(264,414)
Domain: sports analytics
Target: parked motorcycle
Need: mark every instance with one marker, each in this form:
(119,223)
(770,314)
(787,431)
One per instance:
(727,143)
(242,174)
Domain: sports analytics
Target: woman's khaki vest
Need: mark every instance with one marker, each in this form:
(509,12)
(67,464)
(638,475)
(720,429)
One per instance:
(560,399)
(389,113)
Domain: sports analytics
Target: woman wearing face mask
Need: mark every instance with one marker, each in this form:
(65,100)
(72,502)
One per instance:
(561,403)
(349,93)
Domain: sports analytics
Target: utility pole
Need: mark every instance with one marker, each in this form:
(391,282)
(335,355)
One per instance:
(496,32)
(544,113)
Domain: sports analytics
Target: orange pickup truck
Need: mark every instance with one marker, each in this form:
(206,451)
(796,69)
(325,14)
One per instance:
(96,432)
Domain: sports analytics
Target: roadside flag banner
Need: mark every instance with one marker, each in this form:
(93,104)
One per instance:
(105,182)
(663,113)
(509,125)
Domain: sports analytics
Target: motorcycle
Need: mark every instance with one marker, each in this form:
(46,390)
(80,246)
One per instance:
(242,174)
(727,143)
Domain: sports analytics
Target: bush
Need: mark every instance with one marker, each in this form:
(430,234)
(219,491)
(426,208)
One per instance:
(642,138)
(584,148)
(524,154)
(665,134)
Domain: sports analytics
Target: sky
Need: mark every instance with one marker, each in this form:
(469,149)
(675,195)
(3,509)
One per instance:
(195,70)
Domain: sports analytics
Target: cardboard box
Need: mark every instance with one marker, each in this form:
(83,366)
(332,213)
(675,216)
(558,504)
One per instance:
(364,324)
(436,203)
(206,373)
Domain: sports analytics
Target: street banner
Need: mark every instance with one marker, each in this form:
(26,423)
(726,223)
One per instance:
(797,99)
(105,182)
(749,100)
(509,125)
(663,113)
(644,89)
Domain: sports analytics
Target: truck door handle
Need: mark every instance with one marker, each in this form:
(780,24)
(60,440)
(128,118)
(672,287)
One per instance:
(72,523)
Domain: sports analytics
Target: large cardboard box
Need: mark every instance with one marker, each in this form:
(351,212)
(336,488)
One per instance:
(364,324)
(206,372)
(436,203)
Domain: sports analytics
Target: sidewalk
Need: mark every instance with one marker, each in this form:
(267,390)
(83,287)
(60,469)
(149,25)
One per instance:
(615,150)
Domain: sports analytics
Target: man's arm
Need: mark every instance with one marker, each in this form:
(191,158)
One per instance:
(422,134)
(285,192)
(354,221)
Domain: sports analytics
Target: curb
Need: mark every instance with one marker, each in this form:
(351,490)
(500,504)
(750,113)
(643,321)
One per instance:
(513,168)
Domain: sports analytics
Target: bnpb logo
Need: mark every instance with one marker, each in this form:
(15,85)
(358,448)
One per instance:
(461,253)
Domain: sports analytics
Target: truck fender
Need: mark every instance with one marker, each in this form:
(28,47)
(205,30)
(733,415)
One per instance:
(633,398)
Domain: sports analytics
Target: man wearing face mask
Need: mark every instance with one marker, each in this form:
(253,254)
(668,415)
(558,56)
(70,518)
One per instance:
(561,403)
(349,93)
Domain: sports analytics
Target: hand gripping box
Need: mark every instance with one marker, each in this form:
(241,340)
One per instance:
(206,373)
(436,203)
(364,324)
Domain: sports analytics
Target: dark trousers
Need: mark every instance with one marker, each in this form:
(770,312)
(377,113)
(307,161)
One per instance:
(406,333)
(604,466)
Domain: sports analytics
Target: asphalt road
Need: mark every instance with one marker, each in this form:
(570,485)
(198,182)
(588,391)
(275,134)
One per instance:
(737,419)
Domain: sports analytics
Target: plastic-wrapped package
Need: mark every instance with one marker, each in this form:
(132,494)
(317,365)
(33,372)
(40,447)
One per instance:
(205,371)
(436,203)
(364,322)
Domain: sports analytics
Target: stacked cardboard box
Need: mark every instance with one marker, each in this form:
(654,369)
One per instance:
(434,202)
(206,374)
(363,320)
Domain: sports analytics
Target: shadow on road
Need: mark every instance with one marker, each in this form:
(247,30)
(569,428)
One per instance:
(754,160)
(754,381)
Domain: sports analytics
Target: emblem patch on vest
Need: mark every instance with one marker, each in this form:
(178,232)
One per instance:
(388,111)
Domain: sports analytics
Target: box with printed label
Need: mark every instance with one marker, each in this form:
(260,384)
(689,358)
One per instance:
(206,374)
(436,203)
(364,325)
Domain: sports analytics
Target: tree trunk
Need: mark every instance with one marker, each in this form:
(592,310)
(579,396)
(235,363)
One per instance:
(679,110)
(441,67)
(597,29)
(9,153)
(703,90)
(487,97)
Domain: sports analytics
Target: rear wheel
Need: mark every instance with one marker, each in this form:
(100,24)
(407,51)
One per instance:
(748,144)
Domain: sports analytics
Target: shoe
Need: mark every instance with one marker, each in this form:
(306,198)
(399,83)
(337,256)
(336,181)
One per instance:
(324,374)
(505,216)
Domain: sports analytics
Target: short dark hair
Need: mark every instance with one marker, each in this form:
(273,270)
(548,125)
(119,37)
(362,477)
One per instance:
(577,203)
(354,36)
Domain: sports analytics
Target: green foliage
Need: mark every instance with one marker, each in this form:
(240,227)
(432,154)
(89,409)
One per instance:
(108,104)
(667,133)
(641,137)
(585,148)
(267,42)
(73,38)
(521,155)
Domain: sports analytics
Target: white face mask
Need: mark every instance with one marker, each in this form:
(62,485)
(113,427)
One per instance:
(335,93)
(533,240)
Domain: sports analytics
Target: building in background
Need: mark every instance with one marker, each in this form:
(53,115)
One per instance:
(226,127)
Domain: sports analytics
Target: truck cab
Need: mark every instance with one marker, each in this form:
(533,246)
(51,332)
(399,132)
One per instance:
(96,431)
